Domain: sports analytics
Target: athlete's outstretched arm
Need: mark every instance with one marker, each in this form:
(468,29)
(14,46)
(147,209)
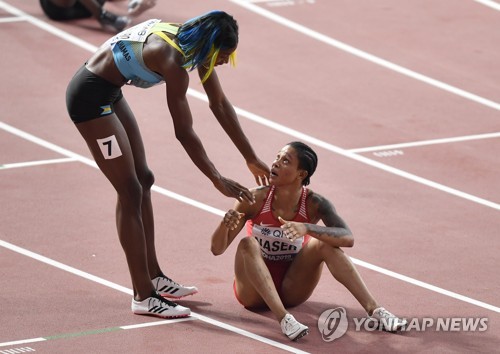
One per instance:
(224,111)
(161,59)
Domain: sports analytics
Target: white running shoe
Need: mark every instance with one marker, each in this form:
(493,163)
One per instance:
(169,288)
(387,320)
(292,328)
(158,306)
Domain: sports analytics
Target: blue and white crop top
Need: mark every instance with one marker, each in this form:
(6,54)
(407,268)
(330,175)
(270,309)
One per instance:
(127,51)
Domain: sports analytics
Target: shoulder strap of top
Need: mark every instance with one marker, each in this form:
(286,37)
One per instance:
(269,200)
(161,27)
(303,204)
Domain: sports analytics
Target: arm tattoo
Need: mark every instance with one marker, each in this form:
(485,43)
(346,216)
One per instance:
(334,225)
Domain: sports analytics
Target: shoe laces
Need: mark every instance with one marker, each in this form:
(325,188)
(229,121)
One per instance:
(290,324)
(383,313)
(170,280)
(162,301)
(389,321)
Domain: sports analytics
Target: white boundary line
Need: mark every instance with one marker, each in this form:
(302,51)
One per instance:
(263,121)
(47,27)
(89,162)
(125,290)
(281,128)
(335,149)
(22,341)
(12,19)
(243,113)
(216,211)
(427,142)
(364,55)
(36,163)
(492,4)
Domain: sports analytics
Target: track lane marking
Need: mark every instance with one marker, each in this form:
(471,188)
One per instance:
(343,152)
(268,123)
(95,331)
(218,212)
(12,19)
(492,4)
(128,291)
(36,163)
(364,55)
(427,142)
(496,309)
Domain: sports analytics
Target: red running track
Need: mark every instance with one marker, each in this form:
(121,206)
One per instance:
(399,99)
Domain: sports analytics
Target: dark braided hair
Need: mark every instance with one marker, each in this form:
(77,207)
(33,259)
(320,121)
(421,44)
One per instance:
(199,36)
(308,160)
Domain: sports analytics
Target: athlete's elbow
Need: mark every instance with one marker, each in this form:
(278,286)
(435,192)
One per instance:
(216,248)
(216,251)
(349,241)
(182,138)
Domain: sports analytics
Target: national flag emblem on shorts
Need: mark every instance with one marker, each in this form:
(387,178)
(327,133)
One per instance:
(106,110)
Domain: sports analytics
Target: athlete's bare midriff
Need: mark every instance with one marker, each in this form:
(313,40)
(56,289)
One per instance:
(102,64)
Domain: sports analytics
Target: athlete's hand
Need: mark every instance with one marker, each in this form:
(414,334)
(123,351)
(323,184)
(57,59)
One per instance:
(233,189)
(292,229)
(232,219)
(260,171)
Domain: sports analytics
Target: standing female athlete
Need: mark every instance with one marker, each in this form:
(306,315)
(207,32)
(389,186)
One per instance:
(281,261)
(147,54)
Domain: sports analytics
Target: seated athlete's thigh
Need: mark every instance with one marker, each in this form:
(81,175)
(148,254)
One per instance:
(245,292)
(303,275)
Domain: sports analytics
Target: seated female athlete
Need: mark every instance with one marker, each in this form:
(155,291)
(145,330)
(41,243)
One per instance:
(279,264)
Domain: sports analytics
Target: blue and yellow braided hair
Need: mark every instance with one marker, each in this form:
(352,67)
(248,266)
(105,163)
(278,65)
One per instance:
(202,38)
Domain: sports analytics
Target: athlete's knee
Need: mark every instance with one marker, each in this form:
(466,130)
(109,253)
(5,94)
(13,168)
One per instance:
(130,194)
(147,180)
(329,251)
(248,245)
(337,259)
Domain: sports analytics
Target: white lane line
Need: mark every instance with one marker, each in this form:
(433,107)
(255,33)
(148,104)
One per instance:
(89,162)
(427,142)
(23,341)
(90,332)
(36,163)
(492,4)
(47,27)
(358,262)
(426,285)
(12,19)
(286,130)
(335,149)
(219,212)
(125,290)
(366,56)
